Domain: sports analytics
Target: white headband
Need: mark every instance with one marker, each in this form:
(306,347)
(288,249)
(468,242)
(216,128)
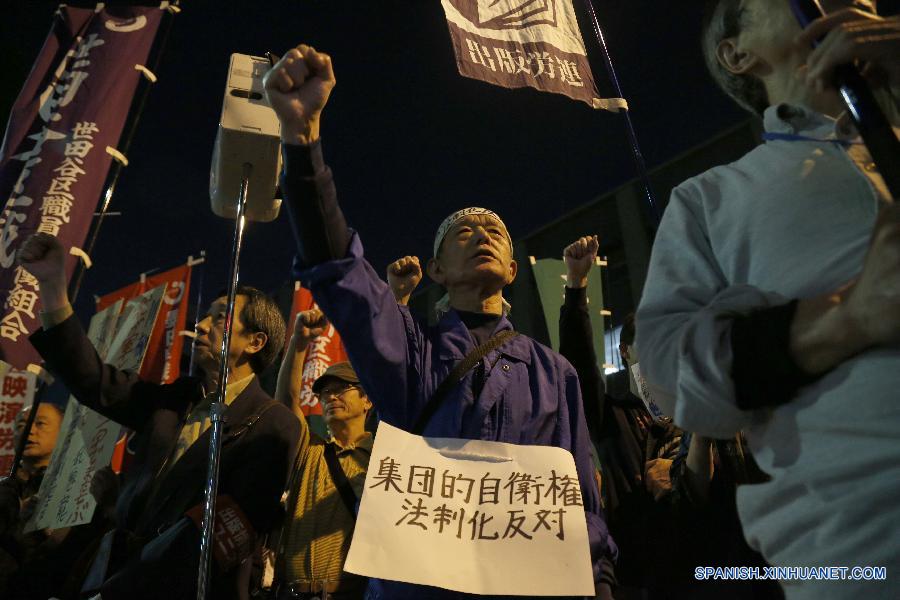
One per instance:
(461,214)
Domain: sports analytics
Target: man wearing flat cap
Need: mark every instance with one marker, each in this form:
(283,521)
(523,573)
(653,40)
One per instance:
(518,391)
(326,484)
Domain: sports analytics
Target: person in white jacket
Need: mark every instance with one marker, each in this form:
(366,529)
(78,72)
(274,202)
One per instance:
(772,302)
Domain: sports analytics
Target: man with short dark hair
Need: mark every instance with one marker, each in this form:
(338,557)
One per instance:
(161,505)
(772,302)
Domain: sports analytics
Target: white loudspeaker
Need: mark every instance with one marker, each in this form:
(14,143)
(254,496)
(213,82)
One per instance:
(249,132)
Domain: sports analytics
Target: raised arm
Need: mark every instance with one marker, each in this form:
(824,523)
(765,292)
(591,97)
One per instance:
(297,87)
(576,341)
(308,325)
(69,354)
(381,338)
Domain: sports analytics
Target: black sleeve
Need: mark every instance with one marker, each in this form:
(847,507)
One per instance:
(576,344)
(763,370)
(116,394)
(316,219)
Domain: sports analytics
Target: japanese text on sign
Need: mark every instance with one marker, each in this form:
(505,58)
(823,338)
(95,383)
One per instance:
(537,64)
(486,509)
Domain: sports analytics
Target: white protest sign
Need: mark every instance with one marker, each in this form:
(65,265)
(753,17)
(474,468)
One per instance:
(87,438)
(129,345)
(65,494)
(644,393)
(472,516)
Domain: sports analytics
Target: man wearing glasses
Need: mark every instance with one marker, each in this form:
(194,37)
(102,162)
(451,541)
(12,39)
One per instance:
(327,483)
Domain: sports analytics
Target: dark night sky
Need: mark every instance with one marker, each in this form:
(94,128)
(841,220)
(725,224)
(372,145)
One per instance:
(408,139)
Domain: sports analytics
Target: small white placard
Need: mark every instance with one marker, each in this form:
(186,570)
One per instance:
(644,392)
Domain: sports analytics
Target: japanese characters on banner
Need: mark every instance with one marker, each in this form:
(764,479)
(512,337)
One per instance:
(324,351)
(164,347)
(54,159)
(16,393)
(643,391)
(522,43)
(496,518)
(87,438)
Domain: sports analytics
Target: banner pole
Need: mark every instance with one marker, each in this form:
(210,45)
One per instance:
(126,139)
(640,165)
(217,408)
(198,308)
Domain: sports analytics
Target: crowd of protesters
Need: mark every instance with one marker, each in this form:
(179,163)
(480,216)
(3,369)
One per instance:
(767,334)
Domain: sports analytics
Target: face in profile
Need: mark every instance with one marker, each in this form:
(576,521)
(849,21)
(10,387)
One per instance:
(211,333)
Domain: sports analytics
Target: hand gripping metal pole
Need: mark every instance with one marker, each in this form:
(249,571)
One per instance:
(871,122)
(218,407)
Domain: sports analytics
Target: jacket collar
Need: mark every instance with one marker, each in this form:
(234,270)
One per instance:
(799,120)
(455,341)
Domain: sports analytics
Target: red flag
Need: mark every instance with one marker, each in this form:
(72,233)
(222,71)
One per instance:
(55,156)
(16,393)
(323,352)
(164,348)
(162,362)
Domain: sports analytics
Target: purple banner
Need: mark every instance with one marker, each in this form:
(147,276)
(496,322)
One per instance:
(54,159)
(523,43)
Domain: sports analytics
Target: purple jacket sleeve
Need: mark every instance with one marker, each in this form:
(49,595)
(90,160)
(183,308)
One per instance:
(381,337)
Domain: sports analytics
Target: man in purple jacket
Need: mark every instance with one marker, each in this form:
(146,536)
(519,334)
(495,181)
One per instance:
(521,392)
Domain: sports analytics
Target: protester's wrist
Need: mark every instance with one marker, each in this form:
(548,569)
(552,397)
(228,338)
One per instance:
(300,134)
(575,281)
(299,343)
(54,294)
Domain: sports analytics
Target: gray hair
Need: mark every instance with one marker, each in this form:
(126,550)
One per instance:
(723,19)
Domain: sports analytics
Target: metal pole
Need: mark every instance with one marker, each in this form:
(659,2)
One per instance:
(639,163)
(197,312)
(218,407)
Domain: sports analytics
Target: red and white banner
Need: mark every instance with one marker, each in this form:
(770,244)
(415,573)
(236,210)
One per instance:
(324,351)
(162,361)
(164,348)
(523,43)
(16,393)
(55,155)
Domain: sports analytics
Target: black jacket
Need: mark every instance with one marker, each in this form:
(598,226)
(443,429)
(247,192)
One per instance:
(255,463)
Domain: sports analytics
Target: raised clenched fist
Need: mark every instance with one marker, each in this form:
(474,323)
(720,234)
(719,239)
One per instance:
(42,255)
(308,325)
(579,256)
(297,88)
(403,276)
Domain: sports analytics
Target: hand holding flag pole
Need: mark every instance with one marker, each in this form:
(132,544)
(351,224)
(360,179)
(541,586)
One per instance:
(870,120)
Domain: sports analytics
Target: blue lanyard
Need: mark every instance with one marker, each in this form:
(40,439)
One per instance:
(792,137)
